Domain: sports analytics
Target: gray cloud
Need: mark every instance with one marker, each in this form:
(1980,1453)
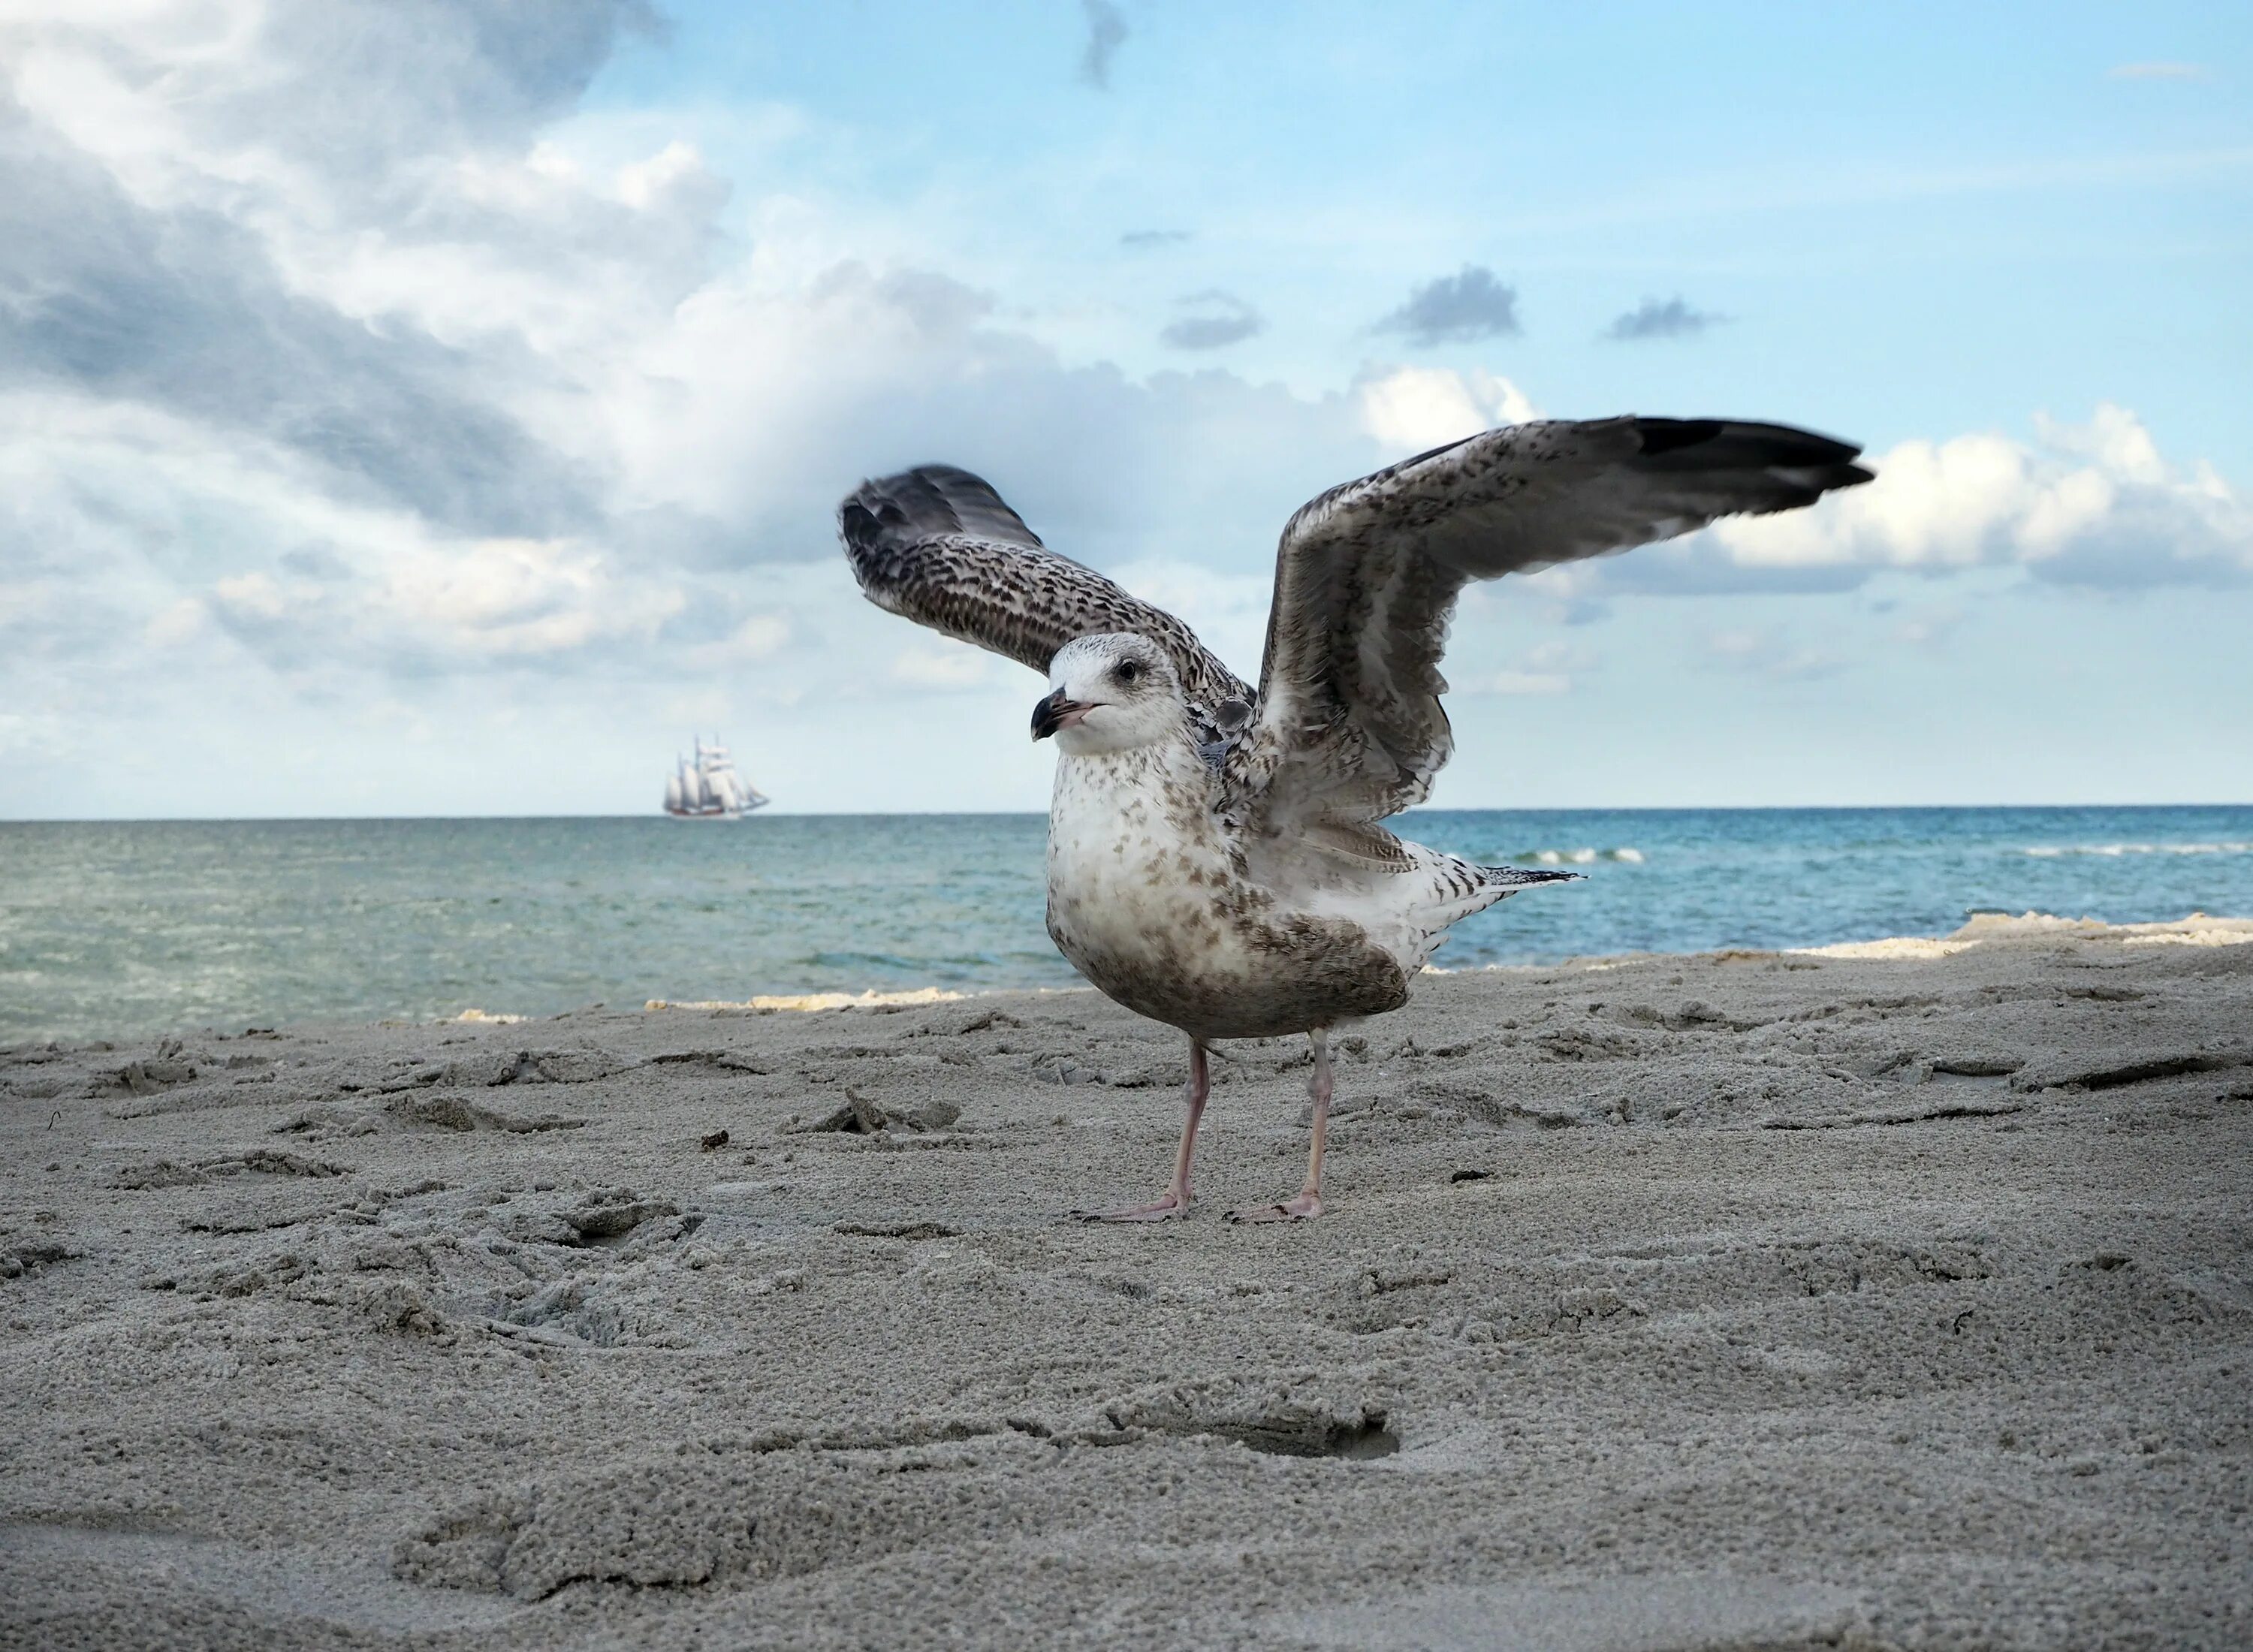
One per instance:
(395,393)
(364,81)
(1106,467)
(1220,318)
(1456,309)
(172,300)
(2156,72)
(1153,237)
(184,310)
(2157,536)
(1106,32)
(938,306)
(1652,319)
(251,451)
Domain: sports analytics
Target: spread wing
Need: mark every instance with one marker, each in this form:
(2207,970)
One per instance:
(1349,726)
(938,546)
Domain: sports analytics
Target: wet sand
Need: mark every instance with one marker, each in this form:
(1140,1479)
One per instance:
(1896,1297)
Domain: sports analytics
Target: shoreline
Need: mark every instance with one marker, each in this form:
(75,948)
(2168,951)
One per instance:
(169,930)
(1881,1300)
(2196,929)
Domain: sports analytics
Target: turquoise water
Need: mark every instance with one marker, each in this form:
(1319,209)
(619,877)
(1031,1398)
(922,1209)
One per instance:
(117,929)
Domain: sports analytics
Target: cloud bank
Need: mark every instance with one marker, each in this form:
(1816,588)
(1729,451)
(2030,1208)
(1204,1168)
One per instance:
(2090,505)
(339,359)
(324,348)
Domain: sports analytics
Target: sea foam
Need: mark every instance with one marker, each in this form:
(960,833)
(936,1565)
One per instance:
(2057,851)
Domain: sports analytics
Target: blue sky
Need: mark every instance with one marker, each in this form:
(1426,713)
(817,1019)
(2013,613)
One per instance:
(438,409)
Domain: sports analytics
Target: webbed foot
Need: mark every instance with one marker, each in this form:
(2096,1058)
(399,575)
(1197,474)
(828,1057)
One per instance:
(1304,1207)
(1171,1207)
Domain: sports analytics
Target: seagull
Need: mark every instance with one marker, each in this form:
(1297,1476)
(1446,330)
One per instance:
(1216,859)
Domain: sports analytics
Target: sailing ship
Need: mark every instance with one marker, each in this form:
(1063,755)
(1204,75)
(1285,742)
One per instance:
(708,787)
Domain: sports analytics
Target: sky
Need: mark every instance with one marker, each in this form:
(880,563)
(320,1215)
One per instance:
(440,406)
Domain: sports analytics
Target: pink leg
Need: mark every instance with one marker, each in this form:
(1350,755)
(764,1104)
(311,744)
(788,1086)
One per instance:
(1174,1203)
(1309,1201)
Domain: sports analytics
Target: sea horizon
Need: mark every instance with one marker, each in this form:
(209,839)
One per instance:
(111,930)
(773,813)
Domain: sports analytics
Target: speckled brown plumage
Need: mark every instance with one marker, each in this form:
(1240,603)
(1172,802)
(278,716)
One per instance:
(938,546)
(1216,858)
(1346,726)
(1152,898)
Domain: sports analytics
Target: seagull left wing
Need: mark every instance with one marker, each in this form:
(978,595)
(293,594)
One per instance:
(1350,727)
(938,546)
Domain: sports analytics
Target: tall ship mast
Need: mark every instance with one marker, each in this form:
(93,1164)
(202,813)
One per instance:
(708,787)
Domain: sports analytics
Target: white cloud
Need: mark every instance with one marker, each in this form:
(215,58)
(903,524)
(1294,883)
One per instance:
(183,622)
(1520,682)
(759,637)
(1761,652)
(2093,504)
(2090,504)
(1228,611)
(333,341)
(445,605)
(27,733)
(1928,627)
(1547,668)
(1933,505)
(944,665)
(496,598)
(1411,409)
(191,527)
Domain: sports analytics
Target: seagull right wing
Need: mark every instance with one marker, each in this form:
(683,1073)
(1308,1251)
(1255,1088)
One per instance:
(938,546)
(1350,727)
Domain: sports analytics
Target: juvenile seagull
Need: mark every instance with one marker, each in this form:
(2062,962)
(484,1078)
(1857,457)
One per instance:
(1216,859)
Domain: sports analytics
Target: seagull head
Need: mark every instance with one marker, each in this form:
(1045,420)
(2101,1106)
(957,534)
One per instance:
(1110,693)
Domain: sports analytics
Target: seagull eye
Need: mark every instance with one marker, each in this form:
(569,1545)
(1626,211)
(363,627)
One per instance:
(1129,672)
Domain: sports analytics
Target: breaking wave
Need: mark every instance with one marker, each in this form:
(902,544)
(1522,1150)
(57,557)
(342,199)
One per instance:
(1578,857)
(2048,853)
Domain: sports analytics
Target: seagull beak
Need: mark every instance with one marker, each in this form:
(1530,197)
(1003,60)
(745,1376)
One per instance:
(1057,711)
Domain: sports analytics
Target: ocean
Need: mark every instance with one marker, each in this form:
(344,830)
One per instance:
(132,928)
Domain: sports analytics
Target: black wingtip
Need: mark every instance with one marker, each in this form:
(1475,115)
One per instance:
(1774,467)
(858,523)
(1664,435)
(1744,442)
(928,500)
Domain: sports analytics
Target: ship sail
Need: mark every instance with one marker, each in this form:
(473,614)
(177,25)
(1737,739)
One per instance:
(707,786)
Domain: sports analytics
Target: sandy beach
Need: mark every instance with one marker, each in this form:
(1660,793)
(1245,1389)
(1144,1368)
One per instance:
(1892,1296)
